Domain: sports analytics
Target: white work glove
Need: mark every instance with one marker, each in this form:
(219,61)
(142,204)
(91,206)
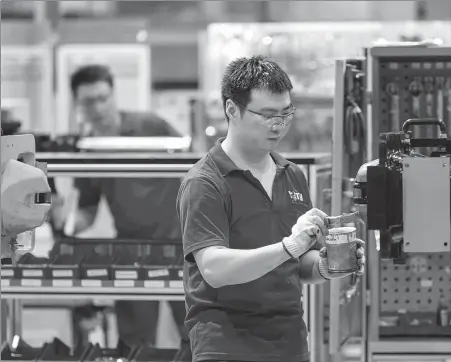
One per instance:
(324,264)
(309,229)
(20,184)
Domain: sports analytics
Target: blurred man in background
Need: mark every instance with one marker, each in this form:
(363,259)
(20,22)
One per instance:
(141,208)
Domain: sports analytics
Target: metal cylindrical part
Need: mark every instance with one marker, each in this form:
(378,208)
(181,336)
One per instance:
(118,170)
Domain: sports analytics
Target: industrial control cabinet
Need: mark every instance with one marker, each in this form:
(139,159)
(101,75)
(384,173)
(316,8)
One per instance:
(407,305)
(405,318)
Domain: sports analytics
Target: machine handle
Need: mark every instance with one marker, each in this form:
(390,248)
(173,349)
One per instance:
(423,122)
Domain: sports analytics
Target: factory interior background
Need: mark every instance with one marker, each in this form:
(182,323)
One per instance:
(168,57)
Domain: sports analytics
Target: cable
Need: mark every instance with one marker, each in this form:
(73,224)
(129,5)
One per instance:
(354,128)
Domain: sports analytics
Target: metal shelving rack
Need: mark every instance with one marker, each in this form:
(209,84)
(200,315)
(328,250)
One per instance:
(315,166)
(109,290)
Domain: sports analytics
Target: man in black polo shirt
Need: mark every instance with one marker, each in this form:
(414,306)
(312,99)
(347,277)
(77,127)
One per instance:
(249,230)
(142,208)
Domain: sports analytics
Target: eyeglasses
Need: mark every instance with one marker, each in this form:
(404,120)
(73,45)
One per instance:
(90,102)
(275,121)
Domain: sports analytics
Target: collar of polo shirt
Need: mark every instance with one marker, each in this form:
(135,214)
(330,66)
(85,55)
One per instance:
(226,165)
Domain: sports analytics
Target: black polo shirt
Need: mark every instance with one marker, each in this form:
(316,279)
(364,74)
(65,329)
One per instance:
(141,207)
(220,204)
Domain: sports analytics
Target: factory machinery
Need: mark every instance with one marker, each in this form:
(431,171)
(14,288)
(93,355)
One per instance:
(392,158)
(390,162)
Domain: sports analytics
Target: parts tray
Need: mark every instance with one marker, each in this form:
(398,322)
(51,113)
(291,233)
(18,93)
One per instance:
(157,264)
(65,267)
(31,267)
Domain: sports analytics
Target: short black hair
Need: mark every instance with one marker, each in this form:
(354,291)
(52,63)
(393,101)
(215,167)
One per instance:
(89,74)
(258,72)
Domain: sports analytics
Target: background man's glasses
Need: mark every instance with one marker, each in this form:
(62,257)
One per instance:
(90,102)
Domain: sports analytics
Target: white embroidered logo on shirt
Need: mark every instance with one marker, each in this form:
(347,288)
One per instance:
(295,196)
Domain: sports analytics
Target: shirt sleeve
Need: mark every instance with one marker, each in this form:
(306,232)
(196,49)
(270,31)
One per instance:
(203,216)
(89,192)
(156,126)
(169,130)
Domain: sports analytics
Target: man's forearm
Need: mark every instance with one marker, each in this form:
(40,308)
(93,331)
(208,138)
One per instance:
(224,266)
(84,219)
(81,224)
(309,268)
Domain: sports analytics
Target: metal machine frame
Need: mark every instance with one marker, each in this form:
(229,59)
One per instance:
(131,165)
(369,345)
(346,303)
(376,346)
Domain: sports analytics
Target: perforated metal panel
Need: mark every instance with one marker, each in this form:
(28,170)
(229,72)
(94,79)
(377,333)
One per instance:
(412,84)
(416,286)
(409,83)
(398,82)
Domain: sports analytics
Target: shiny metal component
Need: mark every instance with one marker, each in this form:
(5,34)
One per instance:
(343,219)
(395,160)
(119,170)
(363,170)
(134,144)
